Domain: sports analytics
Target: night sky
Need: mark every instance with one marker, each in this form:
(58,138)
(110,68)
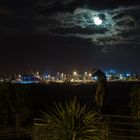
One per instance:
(60,35)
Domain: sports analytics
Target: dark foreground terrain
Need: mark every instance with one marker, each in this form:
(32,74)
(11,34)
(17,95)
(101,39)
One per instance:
(117,101)
(41,95)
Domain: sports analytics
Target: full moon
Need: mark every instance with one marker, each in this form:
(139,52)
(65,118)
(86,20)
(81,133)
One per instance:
(97,20)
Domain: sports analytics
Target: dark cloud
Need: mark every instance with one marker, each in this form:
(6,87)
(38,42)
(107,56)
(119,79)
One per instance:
(120,25)
(57,5)
(5,12)
(49,3)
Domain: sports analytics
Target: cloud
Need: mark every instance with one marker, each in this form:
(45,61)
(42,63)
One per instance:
(66,2)
(51,3)
(120,25)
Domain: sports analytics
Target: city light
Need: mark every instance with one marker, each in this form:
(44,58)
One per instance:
(72,80)
(90,75)
(75,73)
(85,73)
(75,77)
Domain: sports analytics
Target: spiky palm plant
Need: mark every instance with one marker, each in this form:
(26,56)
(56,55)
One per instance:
(71,121)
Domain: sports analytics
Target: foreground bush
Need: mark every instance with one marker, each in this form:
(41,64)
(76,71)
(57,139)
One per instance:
(14,99)
(135,101)
(70,121)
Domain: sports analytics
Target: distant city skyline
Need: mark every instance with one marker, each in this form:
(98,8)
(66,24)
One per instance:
(78,71)
(72,77)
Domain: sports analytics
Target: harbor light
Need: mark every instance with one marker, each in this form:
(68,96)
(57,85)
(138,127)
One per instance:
(90,75)
(75,73)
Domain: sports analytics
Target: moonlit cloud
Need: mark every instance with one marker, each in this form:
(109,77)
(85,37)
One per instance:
(120,25)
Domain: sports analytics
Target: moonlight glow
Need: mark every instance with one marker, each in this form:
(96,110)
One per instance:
(97,20)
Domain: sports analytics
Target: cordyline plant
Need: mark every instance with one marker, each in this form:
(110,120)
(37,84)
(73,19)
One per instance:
(71,121)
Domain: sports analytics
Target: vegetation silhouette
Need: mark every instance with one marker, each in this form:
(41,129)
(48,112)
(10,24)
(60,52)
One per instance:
(14,99)
(135,101)
(71,121)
